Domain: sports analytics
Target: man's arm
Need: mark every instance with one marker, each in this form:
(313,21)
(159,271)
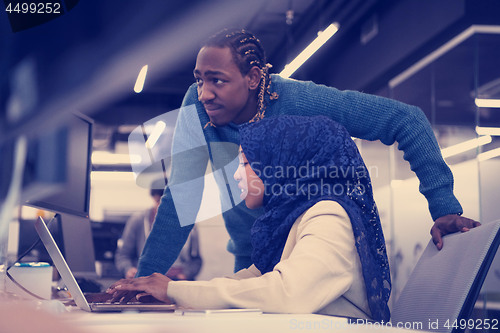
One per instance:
(182,197)
(373,117)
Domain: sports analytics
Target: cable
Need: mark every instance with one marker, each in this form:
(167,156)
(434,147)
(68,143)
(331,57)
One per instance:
(21,257)
(31,247)
(20,286)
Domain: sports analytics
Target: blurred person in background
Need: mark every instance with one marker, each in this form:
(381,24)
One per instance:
(131,243)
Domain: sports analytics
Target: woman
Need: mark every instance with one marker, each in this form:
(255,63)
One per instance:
(319,246)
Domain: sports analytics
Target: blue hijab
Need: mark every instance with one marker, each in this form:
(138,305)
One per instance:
(304,160)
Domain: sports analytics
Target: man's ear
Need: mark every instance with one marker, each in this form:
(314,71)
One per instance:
(254,76)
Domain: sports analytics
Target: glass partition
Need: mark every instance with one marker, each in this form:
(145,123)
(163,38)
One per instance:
(446,85)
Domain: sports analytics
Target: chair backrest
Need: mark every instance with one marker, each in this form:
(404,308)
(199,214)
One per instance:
(444,285)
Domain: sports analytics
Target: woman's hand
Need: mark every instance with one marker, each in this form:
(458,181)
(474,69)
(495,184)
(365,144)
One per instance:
(155,285)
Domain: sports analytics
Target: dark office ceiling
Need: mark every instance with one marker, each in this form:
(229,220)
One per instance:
(88,60)
(286,26)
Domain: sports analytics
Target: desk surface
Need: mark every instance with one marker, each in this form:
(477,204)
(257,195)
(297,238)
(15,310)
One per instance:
(152,322)
(29,316)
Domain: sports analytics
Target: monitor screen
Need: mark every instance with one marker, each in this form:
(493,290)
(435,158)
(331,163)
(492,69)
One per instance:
(58,166)
(73,235)
(78,246)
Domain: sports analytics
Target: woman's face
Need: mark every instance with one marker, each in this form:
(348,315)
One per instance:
(251,186)
(228,96)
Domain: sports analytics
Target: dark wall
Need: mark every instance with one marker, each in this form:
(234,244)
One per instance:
(404,28)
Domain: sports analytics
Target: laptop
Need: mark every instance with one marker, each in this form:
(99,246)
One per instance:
(73,287)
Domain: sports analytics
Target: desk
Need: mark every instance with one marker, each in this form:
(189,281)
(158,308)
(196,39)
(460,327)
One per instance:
(152,322)
(24,317)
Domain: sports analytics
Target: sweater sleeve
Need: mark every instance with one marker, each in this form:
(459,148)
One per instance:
(320,269)
(373,117)
(181,200)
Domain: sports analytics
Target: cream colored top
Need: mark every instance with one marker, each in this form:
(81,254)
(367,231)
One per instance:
(319,272)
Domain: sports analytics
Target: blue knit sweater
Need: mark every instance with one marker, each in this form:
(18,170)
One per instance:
(365,116)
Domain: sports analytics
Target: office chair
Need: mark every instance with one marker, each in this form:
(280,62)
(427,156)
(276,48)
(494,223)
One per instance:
(444,285)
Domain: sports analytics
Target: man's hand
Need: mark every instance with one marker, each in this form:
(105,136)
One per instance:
(155,285)
(449,224)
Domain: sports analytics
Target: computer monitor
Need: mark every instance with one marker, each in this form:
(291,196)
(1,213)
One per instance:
(57,179)
(78,250)
(73,235)
(58,166)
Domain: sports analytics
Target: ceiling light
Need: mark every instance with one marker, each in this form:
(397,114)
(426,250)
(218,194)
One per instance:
(465,146)
(495,131)
(487,103)
(126,129)
(139,83)
(489,154)
(107,158)
(322,38)
(155,134)
(112,176)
